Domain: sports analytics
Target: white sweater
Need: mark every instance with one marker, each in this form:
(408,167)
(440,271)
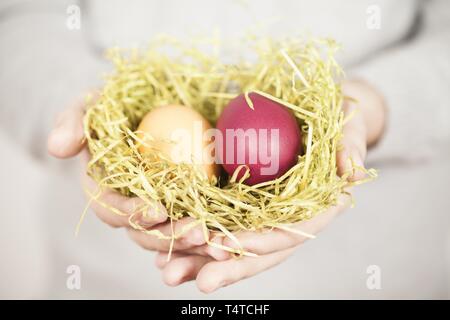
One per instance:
(402,46)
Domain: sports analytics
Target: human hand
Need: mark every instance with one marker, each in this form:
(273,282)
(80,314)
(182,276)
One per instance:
(67,140)
(362,130)
(211,267)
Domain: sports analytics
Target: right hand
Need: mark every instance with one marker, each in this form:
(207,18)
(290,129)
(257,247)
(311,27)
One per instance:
(66,140)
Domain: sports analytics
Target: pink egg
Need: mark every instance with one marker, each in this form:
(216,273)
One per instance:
(266,138)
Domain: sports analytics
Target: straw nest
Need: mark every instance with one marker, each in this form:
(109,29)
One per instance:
(301,74)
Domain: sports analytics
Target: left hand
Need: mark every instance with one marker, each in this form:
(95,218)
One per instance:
(219,269)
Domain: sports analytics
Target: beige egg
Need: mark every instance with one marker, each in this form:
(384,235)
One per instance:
(178,132)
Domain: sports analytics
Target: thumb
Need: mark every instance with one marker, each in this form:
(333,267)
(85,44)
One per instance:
(354,147)
(67,138)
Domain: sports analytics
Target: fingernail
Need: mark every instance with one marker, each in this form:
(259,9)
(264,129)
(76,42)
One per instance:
(195,237)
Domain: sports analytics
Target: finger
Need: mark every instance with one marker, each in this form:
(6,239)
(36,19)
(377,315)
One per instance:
(181,269)
(161,258)
(278,239)
(216,252)
(66,138)
(187,229)
(115,209)
(187,239)
(205,250)
(353,142)
(217,274)
(153,243)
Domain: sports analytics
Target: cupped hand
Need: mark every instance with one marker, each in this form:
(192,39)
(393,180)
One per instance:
(362,129)
(192,259)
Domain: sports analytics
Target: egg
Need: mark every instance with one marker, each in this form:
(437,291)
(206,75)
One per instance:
(178,133)
(266,138)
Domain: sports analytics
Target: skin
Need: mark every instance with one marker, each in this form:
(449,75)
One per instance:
(192,259)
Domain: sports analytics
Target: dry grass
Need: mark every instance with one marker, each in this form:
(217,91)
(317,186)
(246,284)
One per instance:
(300,74)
